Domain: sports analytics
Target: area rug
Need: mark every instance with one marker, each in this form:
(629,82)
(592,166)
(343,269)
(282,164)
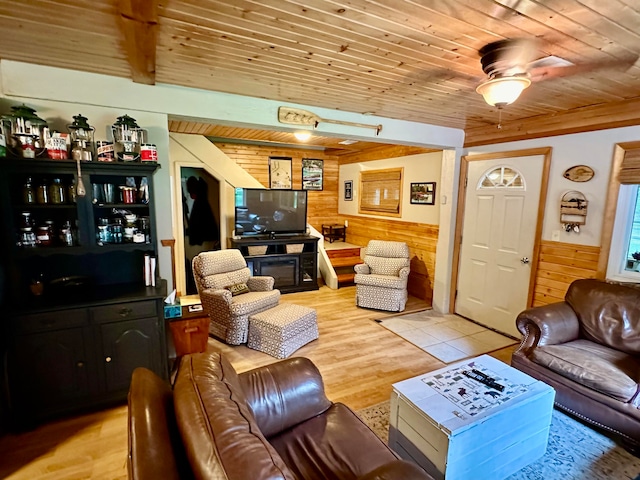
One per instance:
(447,337)
(574,451)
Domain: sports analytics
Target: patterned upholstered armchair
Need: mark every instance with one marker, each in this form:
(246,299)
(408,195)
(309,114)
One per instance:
(381,281)
(229,294)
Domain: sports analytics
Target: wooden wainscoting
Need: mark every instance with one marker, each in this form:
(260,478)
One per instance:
(421,238)
(559,265)
(323,204)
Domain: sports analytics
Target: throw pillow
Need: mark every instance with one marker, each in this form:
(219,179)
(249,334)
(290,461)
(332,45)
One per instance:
(237,289)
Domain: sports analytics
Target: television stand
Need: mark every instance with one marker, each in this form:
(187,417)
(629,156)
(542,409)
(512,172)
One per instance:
(292,260)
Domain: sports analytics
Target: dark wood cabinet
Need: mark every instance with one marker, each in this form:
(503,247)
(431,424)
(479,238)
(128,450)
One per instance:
(291,260)
(50,369)
(126,345)
(78,317)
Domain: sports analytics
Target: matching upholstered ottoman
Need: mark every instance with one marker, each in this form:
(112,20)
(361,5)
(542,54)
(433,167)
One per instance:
(282,330)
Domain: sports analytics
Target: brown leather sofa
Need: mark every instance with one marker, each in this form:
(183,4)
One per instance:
(274,422)
(588,349)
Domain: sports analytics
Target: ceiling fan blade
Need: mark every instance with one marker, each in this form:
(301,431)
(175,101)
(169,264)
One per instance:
(543,73)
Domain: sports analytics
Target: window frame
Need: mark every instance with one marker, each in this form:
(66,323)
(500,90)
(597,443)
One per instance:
(621,234)
(390,176)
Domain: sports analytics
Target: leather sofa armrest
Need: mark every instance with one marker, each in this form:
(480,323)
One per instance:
(155,446)
(284,394)
(547,325)
(260,283)
(362,268)
(398,470)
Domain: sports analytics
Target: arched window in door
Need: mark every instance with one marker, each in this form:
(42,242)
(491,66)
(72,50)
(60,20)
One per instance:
(501,177)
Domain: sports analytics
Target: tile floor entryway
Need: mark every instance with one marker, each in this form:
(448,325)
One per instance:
(447,337)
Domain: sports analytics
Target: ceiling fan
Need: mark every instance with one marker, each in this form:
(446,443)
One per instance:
(511,65)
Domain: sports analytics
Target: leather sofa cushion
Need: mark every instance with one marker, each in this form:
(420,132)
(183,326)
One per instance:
(595,366)
(336,444)
(609,314)
(221,437)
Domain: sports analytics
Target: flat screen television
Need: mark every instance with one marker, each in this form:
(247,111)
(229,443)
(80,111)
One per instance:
(260,211)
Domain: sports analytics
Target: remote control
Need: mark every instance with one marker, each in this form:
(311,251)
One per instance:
(483,378)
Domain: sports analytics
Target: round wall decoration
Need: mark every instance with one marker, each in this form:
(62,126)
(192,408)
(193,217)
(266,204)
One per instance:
(578,173)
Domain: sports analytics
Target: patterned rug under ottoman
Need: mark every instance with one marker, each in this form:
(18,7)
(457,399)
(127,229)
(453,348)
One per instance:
(575,451)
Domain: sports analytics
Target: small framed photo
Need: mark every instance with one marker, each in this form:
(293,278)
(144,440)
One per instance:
(280,173)
(312,170)
(348,190)
(423,193)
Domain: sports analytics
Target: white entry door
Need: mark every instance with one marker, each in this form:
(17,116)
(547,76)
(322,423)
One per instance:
(501,208)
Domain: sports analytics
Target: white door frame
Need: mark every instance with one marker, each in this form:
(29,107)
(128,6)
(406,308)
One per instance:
(462,190)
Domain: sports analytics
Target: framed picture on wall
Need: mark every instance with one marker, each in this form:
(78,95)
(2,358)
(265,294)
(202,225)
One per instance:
(423,193)
(348,190)
(312,170)
(280,173)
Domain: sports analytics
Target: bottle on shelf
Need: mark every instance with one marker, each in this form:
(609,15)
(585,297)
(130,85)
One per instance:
(27,237)
(71,191)
(66,234)
(44,235)
(42,193)
(57,193)
(28,192)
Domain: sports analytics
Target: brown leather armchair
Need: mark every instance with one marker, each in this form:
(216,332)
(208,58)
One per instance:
(273,422)
(588,349)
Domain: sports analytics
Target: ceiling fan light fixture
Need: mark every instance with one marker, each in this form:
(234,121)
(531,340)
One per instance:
(302,135)
(501,91)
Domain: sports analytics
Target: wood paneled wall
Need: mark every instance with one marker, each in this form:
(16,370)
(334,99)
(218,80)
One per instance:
(420,237)
(322,206)
(382,153)
(559,265)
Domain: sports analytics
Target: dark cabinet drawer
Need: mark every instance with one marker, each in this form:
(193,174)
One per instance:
(49,321)
(124,311)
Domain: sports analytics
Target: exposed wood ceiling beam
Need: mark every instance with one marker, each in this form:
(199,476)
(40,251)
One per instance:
(598,117)
(139,20)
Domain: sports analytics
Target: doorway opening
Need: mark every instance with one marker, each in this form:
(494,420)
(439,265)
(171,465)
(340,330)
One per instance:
(201,217)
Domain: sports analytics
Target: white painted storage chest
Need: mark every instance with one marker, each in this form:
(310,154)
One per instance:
(458,428)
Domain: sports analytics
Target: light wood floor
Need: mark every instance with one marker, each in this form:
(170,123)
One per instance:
(359,360)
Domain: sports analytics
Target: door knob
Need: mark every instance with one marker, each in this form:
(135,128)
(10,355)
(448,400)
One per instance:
(524,260)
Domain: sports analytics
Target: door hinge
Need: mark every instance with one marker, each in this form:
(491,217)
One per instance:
(466,179)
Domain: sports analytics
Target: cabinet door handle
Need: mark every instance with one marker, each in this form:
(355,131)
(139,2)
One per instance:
(80,364)
(125,312)
(108,359)
(48,323)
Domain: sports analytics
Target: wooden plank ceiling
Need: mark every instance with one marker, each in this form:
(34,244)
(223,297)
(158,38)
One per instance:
(330,145)
(405,59)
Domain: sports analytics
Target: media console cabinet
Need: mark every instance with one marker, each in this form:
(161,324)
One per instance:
(291,260)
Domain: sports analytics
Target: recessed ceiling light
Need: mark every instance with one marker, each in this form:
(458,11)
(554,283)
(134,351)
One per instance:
(303,136)
(348,142)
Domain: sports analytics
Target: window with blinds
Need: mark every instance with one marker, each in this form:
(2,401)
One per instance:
(381,192)
(630,168)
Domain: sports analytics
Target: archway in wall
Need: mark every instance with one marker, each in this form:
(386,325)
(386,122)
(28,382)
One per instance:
(278,140)
(201,217)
